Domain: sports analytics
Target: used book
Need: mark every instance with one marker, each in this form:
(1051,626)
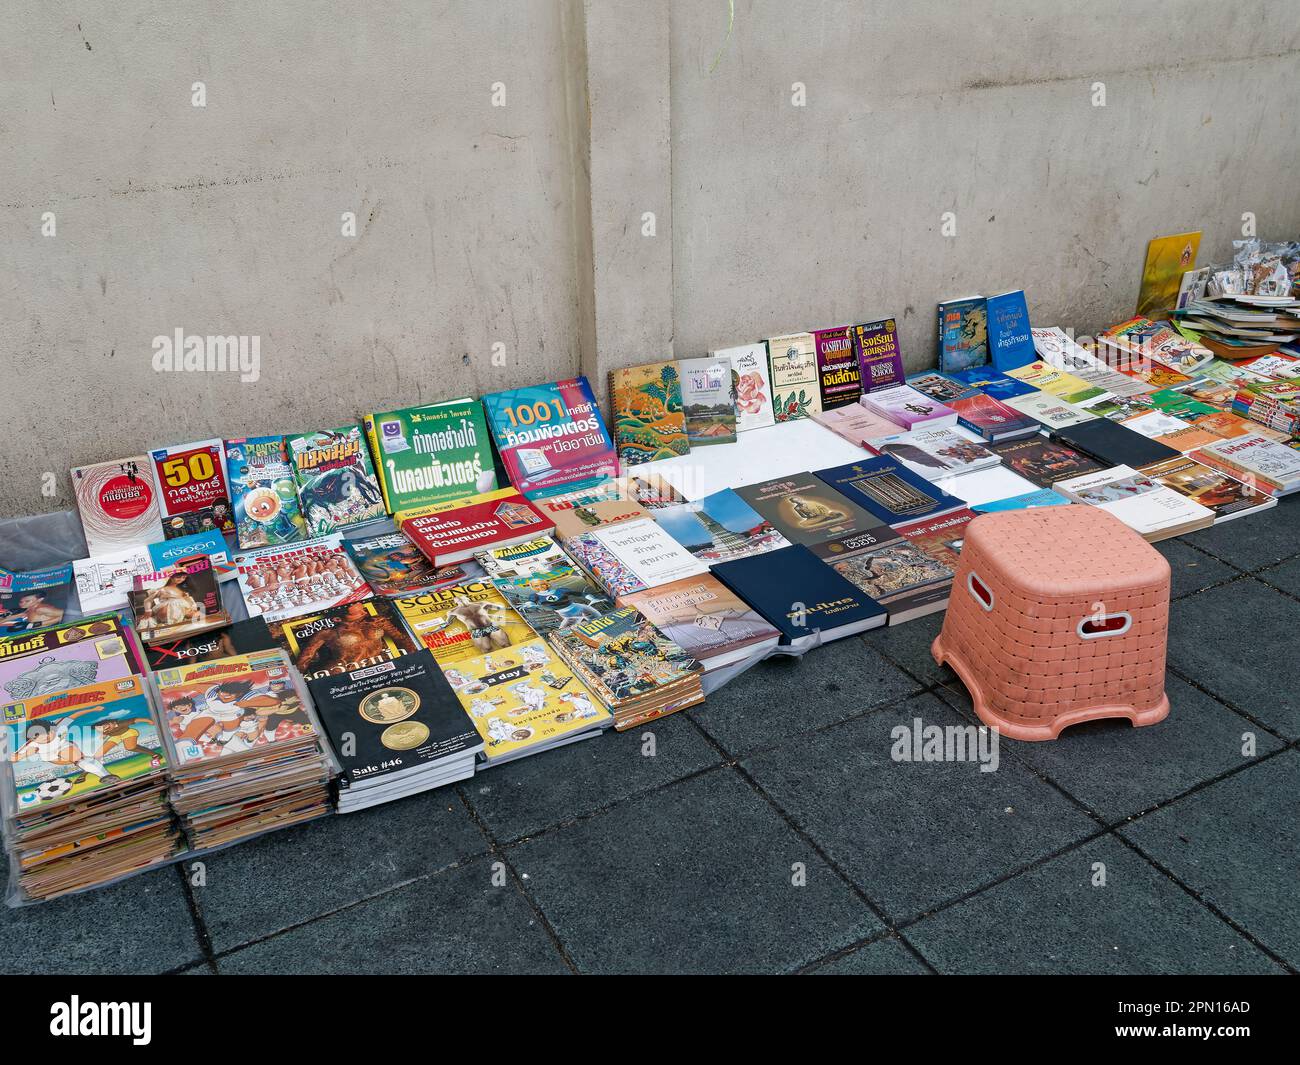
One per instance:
(889,491)
(520,560)
(1113,444)
(396,728)
(1049,411)
(551,437)
(303,578)
(838,375)
(459,621)
(34,600)
(631,667)
(649,420)
(707,620)
(989,381)
(937,453)
(909,408)
(85,776)
(118,504)
(1267,465)
(1145,506)
(452,532)
(243,637)
(991,419)
(1010,343)
(245,748)
(792,366)
(574,519)
(192,492)
(806,510)
(69,655)
(719,527)
(963,333)
(856,424)
(430,454)
(392,565)
(804,599)
(345,638)
(632,556)
(880,359)
(709,399)
(1043,462)
(754,408)
(906,581)
(177,602)
(263,492)
(554,599)
(1228,497)
(1171,431)
(525,700)
(336,481)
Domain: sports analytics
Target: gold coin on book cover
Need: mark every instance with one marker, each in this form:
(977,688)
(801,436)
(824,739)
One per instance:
(404,735)
(388,705)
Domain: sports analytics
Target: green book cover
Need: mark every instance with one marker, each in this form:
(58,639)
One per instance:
(431,454)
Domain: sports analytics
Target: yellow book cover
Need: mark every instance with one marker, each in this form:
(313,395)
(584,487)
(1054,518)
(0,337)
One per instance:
(460,621)
(454,504)
(1054,382)
(523,696)
(1168,258)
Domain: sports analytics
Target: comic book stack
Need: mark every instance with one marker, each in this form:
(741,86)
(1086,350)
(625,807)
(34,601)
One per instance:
(85,770)
(246,751)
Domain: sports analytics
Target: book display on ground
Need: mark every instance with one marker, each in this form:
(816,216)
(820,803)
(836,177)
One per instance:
(648,418)
(1149,508)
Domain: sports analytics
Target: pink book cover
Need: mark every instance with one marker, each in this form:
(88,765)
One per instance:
(858,425)
(908,407)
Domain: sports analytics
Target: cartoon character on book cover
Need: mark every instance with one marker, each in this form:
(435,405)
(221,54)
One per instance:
(554,599)
(264,493)
(336,482)
(233,712)
(84,739)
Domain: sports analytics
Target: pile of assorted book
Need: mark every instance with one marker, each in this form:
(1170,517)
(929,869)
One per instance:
(439,589)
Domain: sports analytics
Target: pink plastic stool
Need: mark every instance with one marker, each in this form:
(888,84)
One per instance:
(1058,615)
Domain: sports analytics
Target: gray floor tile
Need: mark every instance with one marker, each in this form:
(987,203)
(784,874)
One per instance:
(783,696)
(1192,570)
(1052,919)
(884,957)
(1119,770)
(522,797)
(457,922)
(1237,844)
(694,878)
(1225,638)
(141,925)
(909,646)
(914,834)
(1286,576)
(281,879)
(1257,540)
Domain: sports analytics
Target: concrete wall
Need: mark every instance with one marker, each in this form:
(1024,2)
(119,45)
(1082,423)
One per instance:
(790,217)
(523,225)
(226,219)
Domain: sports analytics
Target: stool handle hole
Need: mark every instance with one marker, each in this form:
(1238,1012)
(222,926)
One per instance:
(1094,626)
(979,590)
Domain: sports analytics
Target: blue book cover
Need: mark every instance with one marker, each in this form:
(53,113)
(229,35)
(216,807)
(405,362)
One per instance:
(991,382)
(963,334)
(1011,345)
(889,491)
(799,594)
(1044,497)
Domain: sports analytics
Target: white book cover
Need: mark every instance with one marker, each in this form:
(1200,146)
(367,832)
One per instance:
(1258,455)
(1154,424)
(649,552)
(936,453)
(1145,506)
(103,580)
(1056,348)
(753,387)
(1046,408)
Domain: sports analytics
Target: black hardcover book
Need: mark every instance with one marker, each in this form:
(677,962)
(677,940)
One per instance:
(392,718)
(241,638)
(1113,444)
(800,594)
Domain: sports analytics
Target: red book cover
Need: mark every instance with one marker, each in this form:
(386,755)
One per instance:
(452,532)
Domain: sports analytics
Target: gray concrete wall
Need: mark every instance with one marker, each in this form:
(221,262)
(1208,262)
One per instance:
(789,217)
(522,225)
(226,219)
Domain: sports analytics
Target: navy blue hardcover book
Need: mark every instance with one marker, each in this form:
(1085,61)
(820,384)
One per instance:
(801,595)
(890,491)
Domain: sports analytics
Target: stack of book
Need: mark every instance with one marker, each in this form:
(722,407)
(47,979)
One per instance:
(1149,508)
(245,749)
(635,671)
(397,729)
(1262,463)
(84,780)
